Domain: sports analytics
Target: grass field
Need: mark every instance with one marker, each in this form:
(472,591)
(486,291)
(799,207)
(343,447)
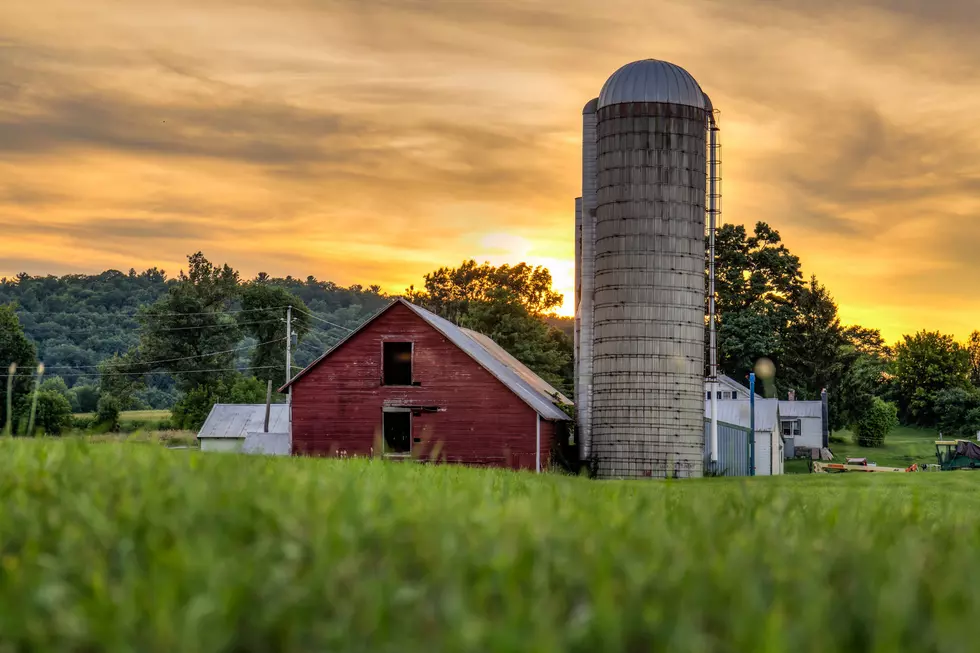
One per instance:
(124,547)
(903,446)
(135,415)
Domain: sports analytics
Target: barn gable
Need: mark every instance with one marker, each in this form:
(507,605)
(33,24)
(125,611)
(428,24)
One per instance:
(518,378)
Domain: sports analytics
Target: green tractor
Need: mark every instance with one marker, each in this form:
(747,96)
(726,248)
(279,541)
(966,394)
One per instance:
(957,454)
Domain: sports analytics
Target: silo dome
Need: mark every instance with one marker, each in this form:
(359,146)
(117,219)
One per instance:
(651,80)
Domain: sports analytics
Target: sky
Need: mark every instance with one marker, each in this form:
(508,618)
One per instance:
(372,141)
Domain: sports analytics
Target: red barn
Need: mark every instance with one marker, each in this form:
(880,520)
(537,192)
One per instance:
(409,383)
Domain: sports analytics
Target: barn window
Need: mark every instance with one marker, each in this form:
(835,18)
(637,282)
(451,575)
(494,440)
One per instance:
(397,427)
(397,363)
(791,428)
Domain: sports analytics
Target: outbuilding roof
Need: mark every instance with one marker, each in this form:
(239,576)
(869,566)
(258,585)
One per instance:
(519,379)
(739,413)
(801,408)
(237,420)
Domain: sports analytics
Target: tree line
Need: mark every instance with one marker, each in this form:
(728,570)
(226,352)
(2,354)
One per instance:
(121,341)
(209,336)
(766,309)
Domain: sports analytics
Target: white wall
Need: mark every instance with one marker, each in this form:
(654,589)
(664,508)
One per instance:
(811,433)
(227,445)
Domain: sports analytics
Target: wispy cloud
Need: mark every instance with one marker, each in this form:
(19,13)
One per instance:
(372,140)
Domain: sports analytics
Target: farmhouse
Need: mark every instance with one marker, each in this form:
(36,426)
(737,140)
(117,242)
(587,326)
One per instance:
(408,383)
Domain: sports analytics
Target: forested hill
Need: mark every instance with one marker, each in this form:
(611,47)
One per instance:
(78,320)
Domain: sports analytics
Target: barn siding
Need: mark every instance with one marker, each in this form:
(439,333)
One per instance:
(337,405)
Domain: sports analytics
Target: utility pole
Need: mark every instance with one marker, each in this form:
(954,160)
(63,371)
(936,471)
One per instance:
(289,351)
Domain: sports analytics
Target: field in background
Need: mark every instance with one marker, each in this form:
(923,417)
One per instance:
(117,546)
(135,415)
(903,446)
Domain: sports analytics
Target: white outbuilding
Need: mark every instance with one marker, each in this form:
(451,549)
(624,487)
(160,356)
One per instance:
(240,428)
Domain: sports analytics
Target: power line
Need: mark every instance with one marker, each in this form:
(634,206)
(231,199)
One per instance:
(171,360)
(317,317)
(216,326)
(220,369)
(116,315)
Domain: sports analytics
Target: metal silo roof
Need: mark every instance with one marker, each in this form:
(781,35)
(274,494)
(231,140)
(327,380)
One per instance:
(651,80)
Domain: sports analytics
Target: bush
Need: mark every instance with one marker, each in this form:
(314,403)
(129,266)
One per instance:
(877,422)
(53,413)
(107,414)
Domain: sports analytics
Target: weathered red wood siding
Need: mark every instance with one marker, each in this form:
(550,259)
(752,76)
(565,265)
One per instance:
(337,405)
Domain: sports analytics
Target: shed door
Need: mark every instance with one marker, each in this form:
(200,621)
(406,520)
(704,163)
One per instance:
(763,453)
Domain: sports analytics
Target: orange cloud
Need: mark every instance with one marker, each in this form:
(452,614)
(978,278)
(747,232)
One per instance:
(371,142)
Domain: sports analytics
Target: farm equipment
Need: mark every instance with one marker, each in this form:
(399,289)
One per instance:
(857,465)
(957,454)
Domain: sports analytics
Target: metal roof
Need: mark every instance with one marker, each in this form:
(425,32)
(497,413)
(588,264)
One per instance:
(726,380)
(738,412)
(801,409)
(651,80)
(236,420)
(532,389)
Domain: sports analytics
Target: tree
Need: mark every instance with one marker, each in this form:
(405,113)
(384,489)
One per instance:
(973,348)
(506,321)
(925,364)
(189,332)
(120,377)
(816,353)
(449,292)
(192,409)
(507,304)
(862,381)
(872,429)
(15,349)
(107,413)
(757,282)
(53,414)
(84,398)
(956,409)
(754,270)
(263,318)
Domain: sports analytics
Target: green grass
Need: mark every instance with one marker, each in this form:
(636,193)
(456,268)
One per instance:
(123,547)
(135,415)
(903,446)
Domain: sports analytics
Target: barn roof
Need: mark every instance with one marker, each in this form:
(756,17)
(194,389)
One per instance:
(519,379)
(236,420)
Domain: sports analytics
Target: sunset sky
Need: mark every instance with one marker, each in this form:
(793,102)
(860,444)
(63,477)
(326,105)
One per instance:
(370,141)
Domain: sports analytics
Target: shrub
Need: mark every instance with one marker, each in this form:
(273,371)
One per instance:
(107,414)
(53,413)
(875,424)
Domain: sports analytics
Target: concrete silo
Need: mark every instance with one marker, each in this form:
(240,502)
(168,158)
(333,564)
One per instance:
(641,309)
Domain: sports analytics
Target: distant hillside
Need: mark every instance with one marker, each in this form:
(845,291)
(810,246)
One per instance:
(79,320)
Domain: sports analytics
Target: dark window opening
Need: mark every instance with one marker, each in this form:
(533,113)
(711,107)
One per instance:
(397,364)
(398,432)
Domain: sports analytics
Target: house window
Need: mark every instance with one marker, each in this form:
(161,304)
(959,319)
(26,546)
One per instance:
(397,363)
(397,427)
(734,394)
(791,428)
